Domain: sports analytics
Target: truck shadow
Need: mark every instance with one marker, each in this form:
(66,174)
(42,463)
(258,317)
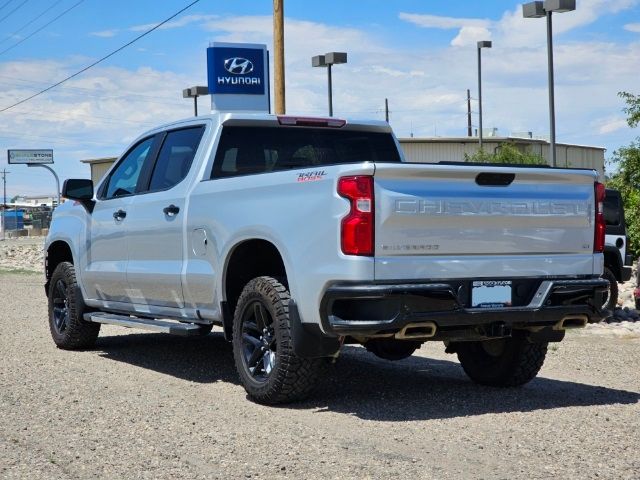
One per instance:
(362,385)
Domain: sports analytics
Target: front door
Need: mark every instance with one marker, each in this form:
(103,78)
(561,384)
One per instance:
(105,276)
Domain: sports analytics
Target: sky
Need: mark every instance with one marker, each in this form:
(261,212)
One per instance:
(421,55)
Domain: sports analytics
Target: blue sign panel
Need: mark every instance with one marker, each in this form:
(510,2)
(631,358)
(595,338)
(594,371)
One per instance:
(236,70)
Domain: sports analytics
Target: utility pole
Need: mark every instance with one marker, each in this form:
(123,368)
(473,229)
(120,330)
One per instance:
(4,199)
(386,109)
(278,54)
(469,132)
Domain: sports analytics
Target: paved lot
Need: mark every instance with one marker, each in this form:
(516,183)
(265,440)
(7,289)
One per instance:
(142,405)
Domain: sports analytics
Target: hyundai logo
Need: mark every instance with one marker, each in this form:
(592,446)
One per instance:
(238,65)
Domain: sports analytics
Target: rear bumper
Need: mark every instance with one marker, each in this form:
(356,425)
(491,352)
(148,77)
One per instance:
(365,309)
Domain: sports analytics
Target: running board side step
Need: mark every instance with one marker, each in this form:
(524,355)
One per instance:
(161,326)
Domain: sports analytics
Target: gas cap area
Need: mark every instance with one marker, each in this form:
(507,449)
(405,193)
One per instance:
(199,242)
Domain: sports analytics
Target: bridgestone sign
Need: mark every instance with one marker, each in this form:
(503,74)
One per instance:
(30,157)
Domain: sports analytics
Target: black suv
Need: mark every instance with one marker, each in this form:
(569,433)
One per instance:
(617,263)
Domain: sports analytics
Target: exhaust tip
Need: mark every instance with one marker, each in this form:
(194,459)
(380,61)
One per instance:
(417,331)
(569,323)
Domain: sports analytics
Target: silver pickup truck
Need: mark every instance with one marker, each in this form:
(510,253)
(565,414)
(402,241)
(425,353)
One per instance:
(299,235)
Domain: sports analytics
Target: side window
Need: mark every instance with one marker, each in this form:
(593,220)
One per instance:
(612,210)
(124,179)
(175,157)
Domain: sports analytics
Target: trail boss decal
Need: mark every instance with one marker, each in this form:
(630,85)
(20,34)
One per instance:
(311,176)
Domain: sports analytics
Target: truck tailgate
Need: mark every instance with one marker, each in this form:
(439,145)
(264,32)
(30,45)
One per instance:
(446,221)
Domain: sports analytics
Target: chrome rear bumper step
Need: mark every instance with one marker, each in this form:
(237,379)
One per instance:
(161,326)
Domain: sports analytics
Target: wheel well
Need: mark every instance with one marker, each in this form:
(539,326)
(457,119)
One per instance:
(58,251)
(250,259)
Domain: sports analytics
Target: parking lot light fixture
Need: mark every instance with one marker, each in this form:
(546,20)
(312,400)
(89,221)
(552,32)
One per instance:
(195,92)
(328,60)
(539,10)
(481,45)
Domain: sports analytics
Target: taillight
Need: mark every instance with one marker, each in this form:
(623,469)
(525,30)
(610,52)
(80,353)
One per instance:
(356,234)
(598,238)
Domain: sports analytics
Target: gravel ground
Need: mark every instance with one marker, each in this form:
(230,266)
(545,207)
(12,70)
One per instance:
(144,405)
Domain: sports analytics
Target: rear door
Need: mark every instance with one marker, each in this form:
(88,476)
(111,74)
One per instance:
(156,222)
(448,221)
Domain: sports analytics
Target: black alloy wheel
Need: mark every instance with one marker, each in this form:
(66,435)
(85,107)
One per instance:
(60,306)
(259,345)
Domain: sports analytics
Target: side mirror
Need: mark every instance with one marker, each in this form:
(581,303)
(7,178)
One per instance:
(77,189)
(81,190)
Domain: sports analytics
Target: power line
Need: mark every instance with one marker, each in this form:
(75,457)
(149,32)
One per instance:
(5,4)
(29,22)
(12,11)
(101,59)
(41,28)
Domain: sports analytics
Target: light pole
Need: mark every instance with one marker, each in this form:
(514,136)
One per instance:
(195,92)
(539,10)
(481,45)
(327,60)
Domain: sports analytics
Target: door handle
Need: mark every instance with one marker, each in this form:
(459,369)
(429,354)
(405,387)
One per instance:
(119,214)
(171,210)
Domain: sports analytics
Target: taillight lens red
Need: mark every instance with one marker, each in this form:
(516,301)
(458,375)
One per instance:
(599,235)
(356,235)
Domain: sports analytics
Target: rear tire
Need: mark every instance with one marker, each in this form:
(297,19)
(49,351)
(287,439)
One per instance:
(66,309)
(505,362)
(610,300)
(390,349)
(269,370)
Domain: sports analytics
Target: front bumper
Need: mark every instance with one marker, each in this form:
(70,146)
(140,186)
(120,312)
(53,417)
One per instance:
(366,309)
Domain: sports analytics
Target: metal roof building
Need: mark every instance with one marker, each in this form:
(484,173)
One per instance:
(453,149)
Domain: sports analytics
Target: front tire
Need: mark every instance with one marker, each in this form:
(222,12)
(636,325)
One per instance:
(504,362)
(269,370)
(66,308)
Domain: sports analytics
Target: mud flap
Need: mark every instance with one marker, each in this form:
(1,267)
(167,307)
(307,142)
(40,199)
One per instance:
(308,340)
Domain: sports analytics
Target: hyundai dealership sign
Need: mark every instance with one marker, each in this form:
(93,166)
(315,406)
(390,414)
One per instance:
(238,75)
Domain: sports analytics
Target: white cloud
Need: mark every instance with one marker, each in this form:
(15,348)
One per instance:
(179,23)
(610,125)
(470,36)
(471,30)
(515,29)
(105,33)
(632,27)
(445,23)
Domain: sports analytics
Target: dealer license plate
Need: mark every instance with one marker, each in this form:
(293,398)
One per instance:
(491,294)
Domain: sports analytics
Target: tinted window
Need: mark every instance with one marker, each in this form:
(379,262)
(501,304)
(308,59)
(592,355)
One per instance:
(612,210)
(175,157)
(124,179)
(247,150)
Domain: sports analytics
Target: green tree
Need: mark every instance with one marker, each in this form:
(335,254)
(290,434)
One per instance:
(507,153)
(632,109)
(626,178)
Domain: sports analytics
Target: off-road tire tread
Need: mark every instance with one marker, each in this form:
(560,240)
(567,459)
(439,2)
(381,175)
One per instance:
(526,361)
(294,378)
(78,334)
